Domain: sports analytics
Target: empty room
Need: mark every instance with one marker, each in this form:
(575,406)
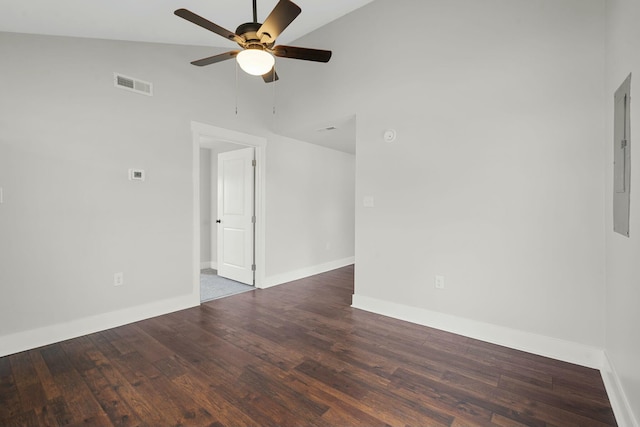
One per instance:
(430,206)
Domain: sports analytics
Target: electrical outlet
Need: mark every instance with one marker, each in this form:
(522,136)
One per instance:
(368,201)
(118,279)
(439,282)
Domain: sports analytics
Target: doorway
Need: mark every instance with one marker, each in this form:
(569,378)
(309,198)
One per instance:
(226,227)
(208,142)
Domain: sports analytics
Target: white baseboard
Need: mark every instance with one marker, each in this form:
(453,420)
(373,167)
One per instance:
(555,348)
(290,276)
(26,340)
(209,264)
(567,351)
(21,341)
(619,402)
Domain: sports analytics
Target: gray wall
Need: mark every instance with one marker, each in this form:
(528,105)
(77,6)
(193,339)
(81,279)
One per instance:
(496,179)
(71,218)
(501,177)
(623,268)
(318,185)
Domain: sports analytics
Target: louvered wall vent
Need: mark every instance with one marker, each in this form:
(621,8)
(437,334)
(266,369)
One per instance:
(134,85)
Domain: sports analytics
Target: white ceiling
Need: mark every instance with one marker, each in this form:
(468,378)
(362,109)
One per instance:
(154,21)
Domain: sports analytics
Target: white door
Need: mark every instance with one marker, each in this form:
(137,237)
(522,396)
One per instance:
(235,215)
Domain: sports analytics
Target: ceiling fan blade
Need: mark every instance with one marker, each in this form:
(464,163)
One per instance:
(208,25)
(280,17)
(216,58)
(302,53)
(271,76)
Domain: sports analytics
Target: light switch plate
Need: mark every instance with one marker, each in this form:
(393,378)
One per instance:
(368,201)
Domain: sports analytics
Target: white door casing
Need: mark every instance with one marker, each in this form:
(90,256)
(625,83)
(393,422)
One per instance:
(235,215)
(203,135)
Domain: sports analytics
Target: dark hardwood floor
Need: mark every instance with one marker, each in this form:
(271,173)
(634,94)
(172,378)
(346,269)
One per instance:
(293,355)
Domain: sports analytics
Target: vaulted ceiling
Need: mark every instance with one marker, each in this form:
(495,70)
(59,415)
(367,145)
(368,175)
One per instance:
(153,20)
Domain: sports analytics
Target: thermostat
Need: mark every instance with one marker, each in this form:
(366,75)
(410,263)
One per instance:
(136,174)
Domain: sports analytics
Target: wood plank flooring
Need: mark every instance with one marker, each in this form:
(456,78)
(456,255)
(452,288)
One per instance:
(293,355)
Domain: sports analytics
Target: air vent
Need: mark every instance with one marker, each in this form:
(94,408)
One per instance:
(132,84)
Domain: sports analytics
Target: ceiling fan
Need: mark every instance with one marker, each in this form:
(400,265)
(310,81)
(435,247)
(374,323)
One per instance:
(258,41)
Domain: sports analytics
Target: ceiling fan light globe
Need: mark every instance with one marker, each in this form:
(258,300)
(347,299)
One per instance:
(255,61)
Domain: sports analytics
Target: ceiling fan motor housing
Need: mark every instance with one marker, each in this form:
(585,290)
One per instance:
(249,32)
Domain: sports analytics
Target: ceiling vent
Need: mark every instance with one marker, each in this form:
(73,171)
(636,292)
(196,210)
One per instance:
(132,84)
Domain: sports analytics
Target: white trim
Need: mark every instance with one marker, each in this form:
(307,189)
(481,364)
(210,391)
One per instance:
(555,348)
(617,397)
(209,264)
(202,131)
(213,230)
(290,276)
(26,340)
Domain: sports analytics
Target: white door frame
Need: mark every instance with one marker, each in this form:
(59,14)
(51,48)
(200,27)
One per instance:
(200,131)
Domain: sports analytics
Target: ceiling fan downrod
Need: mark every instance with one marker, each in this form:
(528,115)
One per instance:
(255,10)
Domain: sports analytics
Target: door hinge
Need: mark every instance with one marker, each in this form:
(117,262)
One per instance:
(253,267)
(623,143)
(253,219)
(253,163)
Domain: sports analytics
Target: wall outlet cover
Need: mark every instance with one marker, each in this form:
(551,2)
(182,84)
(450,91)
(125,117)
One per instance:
(118,279)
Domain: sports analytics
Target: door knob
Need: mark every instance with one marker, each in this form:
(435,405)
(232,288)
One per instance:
(218,221)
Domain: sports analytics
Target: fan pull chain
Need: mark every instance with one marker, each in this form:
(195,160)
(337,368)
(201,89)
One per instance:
(274,90)
(274,82)
(236,87)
